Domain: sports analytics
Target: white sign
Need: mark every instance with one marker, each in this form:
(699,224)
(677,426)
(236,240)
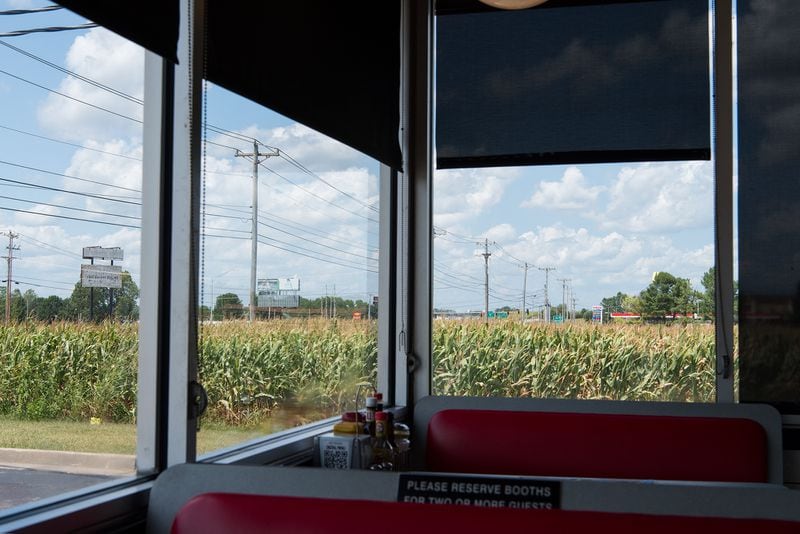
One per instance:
(101,276)
(101,253)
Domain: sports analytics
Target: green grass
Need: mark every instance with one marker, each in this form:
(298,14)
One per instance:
(115,438)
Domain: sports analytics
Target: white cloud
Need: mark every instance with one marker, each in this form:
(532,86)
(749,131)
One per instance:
(110,60)
(466,193)
(661,197)
(501,232)
(21,4)
(570,193)
(33,219)
(313,150)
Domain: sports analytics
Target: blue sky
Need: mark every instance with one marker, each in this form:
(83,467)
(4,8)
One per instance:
(606,228)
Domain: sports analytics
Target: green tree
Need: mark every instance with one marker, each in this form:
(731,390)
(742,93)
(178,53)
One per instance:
(125,304)
(707,302)
(16,305)
(49,308)
(615,303)
(667,295)
(228,306)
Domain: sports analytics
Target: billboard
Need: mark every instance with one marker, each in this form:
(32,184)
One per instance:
(102,253)
(278,292)
(101,276)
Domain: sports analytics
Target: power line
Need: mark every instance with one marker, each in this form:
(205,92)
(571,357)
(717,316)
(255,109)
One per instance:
(302,248)
(61,250)
(53,173)
(360,268)
(303,168)
(99,197)
(68,143)
(316,242)
(73,74)
(48,29)
(71,208)
(302,227)
(29,212)
(21,278)
(69,97)
(30,11)
(44,286)
(317,196)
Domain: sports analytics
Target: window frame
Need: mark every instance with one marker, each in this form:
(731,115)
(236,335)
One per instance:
(170,242)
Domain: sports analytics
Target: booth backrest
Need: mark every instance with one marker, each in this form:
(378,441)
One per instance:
(543,437)
(368,494)
(597,445)
(226,512)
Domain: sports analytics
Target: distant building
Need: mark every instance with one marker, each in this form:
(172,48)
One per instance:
(278,292)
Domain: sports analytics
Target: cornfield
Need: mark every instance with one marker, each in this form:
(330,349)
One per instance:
(624,362)
(312,368)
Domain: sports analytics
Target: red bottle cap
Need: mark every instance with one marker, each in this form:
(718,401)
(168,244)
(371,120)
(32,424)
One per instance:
(380,416)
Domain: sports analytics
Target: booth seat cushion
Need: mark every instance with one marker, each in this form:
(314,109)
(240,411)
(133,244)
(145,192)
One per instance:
(597,445)
(236,513)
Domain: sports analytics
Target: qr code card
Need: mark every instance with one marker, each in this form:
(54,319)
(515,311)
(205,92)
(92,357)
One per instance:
(336,453)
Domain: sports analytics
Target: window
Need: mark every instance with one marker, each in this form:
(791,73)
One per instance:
(587,281)
(70,209)
(301,349)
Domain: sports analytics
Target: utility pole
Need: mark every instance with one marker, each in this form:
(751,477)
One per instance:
(486,255)
(258,157)
(524,290)
(10,259)
(546,294)
(564,314)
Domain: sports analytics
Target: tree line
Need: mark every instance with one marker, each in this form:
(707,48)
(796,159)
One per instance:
(79,306)
(229,306)
(668,296)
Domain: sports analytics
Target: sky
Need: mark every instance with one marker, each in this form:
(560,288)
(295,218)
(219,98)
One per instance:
(603,228)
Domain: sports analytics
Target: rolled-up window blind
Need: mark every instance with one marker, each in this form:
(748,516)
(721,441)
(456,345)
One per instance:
(333,66)
(572,82)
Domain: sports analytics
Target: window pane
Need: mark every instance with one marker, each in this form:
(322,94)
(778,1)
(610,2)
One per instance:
(313,335)
(70,196)
(555,244)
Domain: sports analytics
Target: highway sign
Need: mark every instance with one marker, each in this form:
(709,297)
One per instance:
(101,276)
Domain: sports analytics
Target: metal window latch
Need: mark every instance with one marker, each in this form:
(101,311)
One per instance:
(198,401)
(412,363)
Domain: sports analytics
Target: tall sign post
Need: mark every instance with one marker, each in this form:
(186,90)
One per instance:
(109,276)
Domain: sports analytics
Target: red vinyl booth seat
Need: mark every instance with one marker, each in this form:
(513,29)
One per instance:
(227,512)
(597,445)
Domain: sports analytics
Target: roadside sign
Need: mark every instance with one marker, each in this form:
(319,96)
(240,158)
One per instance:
(491,314)
(101,276)
(501,315)
(102,253)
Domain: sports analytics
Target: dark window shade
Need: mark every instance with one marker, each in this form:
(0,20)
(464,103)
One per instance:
(572,82)
(769,202)
(152,24)
(333,66)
